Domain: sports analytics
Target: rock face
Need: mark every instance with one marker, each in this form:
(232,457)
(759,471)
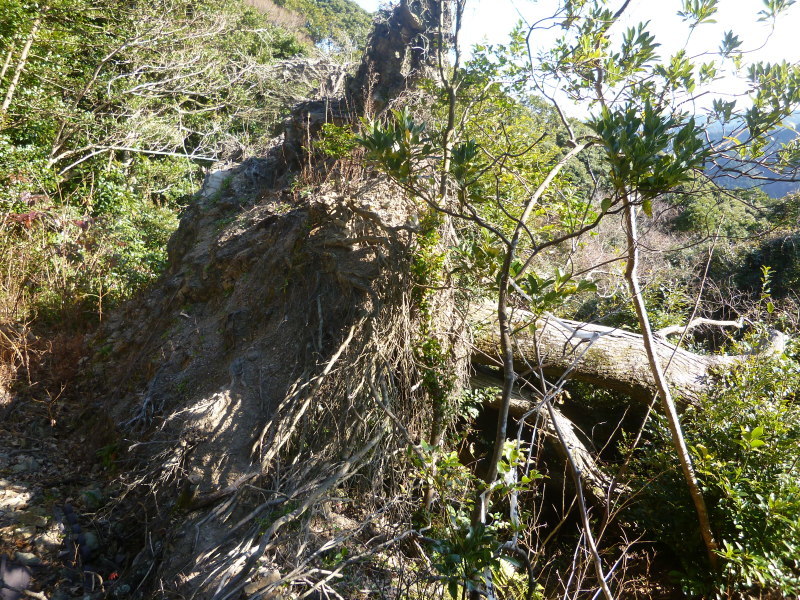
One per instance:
(244,386)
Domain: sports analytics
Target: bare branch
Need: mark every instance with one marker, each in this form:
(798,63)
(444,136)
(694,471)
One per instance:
(697,322)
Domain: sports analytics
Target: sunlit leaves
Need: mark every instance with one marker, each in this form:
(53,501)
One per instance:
(772,8)
(708,72)
(463,164)
(397,147)
(679,73)
(546,293)
(699,11)
(649,152)
(751,439)
(638,50)
(462,551)
(730,44)
(723,109)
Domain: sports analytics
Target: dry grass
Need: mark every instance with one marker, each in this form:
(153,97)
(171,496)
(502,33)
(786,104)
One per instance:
(288,19)
(51,263)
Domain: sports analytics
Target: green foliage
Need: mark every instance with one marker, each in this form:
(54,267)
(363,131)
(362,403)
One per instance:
(333,24)
(76,262)
(118,107)
(431,352)
(399,147)
(146,82)
(62,267)
(547,294)
(650,151)
(744,438)
(781,254)
(336,141)
(462,551)
(710,211)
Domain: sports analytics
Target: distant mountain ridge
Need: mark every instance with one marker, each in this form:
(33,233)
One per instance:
(775,189)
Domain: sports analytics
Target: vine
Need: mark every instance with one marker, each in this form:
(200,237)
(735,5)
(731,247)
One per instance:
(432,353)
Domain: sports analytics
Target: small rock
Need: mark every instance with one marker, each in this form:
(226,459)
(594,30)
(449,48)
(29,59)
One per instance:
(259,584)
(25,464)
(121,591)
(91,542)
(13,576)
(13,498)
(27,558)
(25,531)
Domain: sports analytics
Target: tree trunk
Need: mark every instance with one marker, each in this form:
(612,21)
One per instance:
(664,388)
(608,357)
(23,59)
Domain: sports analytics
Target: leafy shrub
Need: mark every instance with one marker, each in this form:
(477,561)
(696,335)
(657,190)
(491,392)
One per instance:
(333,24)
(782,255)
(336,141)
(61,266)
(744,437)
(735,214)
(105,136)
(462,551)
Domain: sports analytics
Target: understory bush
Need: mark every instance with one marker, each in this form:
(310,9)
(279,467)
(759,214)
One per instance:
(59,265)
(744,436)
(104,136)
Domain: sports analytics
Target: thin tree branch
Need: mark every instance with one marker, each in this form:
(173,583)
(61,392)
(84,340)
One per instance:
(23,59)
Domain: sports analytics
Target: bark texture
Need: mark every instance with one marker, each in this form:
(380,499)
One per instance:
(605,356)
(401,49)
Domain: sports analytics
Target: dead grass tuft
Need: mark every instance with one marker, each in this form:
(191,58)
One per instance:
(283,17)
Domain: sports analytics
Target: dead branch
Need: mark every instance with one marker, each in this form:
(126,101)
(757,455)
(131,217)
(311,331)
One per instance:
(595,480)
(694,323)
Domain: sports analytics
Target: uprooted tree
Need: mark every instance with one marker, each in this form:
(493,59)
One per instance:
(310,342)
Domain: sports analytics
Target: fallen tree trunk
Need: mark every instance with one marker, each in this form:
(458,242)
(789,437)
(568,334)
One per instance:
(596,482)
(608,357)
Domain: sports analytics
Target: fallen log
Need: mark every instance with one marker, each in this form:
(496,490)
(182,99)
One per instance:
(608,357)
(596,482)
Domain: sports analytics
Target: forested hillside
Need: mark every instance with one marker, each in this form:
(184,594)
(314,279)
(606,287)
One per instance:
(743,174)
(302,302)
(110,113)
